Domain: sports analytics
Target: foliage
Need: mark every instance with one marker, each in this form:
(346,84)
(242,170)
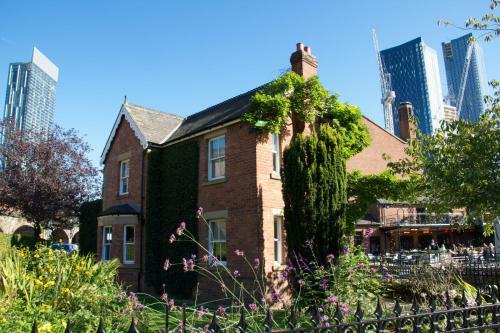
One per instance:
(5,243)
(347,281)
(8,241)
(88,226)
(460,163)
(46,177)
(314,191)
(488,25)
(168,203)
(306,101)
(54,287)
(364,190)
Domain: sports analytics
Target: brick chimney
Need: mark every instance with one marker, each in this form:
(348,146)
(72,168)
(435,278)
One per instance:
(407,129)
(303,62)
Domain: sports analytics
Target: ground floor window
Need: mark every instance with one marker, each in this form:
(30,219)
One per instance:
(129,244)
(278,243)
(217,245)
(107,237)
(358,238)
(406,242)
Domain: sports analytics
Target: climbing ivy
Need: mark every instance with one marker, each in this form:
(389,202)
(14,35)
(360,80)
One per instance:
(172,198)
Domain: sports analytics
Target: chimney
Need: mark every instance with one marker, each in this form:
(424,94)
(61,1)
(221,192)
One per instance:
(303,62)
(407,130)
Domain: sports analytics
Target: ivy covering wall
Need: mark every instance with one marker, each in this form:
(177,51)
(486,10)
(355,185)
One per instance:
(172,198)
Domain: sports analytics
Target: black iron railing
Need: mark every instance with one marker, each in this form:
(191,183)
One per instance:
(480,315)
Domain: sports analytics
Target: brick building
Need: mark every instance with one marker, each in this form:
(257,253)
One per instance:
(239,183)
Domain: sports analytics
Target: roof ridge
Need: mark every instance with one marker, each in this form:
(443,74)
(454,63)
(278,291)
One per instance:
(155,110)
(225,101)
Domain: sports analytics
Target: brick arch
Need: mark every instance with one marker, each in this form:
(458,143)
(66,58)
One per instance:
(25,231)
(76,238)
(60,235)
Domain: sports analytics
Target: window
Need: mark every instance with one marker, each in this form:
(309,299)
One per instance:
(217,240)
(129,244)
(216,158)
(124,172)
(278,245)
(107,237)
(276,152)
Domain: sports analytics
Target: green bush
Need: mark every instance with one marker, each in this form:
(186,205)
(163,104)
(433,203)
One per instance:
(53,287)
(5,242)
(88,226)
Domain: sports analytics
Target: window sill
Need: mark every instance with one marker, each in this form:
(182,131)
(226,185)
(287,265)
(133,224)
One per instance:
(279,267)
(215,181)
(122,196)
(274,175)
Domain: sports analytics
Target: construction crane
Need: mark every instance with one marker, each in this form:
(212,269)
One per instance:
(463,80)
(388,95)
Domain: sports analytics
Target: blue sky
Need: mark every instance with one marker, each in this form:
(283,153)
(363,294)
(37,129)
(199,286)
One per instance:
(183,56)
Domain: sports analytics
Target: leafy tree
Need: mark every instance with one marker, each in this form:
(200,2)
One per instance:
(88,226)
(315,193)
(45,177)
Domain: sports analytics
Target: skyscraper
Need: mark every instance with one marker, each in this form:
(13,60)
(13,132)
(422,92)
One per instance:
(454,54)
(31,93)
(414,75)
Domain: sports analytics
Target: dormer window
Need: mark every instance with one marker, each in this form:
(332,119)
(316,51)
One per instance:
(124,173)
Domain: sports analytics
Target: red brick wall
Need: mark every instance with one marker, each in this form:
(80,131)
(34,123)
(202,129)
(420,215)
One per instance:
(370,161)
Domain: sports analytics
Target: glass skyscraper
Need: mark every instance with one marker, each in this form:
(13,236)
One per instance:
(476,86)
(414,75)
(31,93)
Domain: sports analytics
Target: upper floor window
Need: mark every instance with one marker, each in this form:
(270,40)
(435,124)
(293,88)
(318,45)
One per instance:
(217,241)
(217,158)
(276,152)
(107,237)
(124,172)
(278,243)
(129,244)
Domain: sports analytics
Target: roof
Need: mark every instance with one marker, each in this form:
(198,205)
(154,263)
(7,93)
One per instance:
(124,209)
(218,114)
(154,125)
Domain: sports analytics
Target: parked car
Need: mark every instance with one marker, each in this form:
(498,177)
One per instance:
(69,248)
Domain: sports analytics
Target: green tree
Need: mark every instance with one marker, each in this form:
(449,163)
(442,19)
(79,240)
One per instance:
(315,193)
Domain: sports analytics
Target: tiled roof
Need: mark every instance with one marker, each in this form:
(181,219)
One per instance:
(218,114)
(154,125)
(125,209)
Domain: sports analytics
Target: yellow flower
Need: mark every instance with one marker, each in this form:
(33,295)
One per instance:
(37,256)
(65,290)
(45,328)
(49,283)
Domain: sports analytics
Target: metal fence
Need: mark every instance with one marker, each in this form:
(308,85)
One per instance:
(480,315)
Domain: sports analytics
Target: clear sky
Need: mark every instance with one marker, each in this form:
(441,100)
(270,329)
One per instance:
(183,56)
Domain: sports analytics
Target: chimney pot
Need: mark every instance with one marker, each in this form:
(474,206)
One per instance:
(303,62)
(307,49)
(300,47)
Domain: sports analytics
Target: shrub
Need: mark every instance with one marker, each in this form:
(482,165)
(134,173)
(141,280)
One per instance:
(88,226)
(53,287)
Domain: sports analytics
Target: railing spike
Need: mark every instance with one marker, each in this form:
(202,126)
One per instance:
(493,293)
(292,319)
(463,303)
(415,307)
(359,312)
(68,327)
(378,310)
(268,323)
(166,317)
(397,308)
(338,315)
(214,324)
(100,328)
(183,318)
(316,318)
(34,328)
(432,303)
(448,303)
(478,298)
(242,324)
(132,328)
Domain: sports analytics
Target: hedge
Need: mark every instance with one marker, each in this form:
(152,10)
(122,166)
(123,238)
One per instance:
(88,226)
(169,203)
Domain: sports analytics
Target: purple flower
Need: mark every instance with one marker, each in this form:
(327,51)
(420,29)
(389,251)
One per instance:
(344,308)
(193,256)
(166,265)
(252,307)
(171,303)
(330,257)
(187,265)
(164,297)
(221,310)
(256,262)
(389,277)
(236,273)
(361,265)
(332,299)
(199,212)
(324,284)
(239,253)
(204,259)
(345,250)
(301,282)
(181,229)
(275,296)
(284,275)
(324,318)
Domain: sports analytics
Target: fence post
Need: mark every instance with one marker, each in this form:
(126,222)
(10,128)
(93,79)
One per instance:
(68,327)
(133,327)
(166,317)
(100,328)
(242,324)
(34,328)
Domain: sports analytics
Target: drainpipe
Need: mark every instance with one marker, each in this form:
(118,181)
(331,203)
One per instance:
(142,220)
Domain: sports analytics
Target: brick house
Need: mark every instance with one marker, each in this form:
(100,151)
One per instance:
(239,183)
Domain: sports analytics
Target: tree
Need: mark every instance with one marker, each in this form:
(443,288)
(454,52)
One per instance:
(45,177)
(89,212)
(314,166)
(315,194)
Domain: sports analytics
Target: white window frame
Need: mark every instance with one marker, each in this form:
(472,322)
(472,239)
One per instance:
(106,242)
(212,159)
(275,147)
(278,239)
(212,241)
(125,243)
(124,177)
